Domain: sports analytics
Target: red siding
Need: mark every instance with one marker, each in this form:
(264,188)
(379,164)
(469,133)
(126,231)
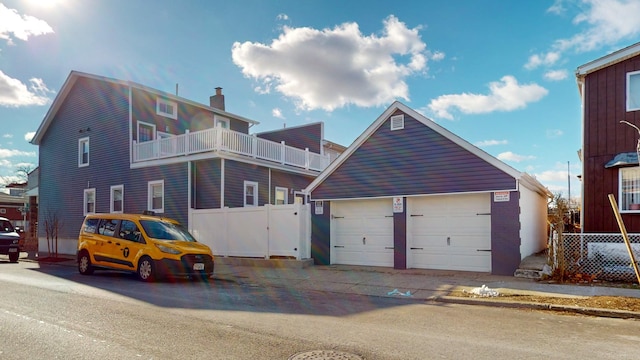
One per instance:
(604,137)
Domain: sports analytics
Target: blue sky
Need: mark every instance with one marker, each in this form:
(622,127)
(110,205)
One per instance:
(499,74)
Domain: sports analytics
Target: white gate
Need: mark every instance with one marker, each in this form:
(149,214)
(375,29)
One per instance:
(265,231)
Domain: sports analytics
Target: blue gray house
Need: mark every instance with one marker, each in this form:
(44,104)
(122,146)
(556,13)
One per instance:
(410,194)
(107,145)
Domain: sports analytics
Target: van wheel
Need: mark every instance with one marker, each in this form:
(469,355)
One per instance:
(13,257)
(84,264)
(146,269)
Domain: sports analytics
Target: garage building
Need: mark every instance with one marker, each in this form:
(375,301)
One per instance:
(410,194)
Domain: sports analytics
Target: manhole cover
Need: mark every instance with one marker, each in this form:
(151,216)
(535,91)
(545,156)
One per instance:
(325,355)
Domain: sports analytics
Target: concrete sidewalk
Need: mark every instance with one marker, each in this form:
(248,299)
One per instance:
(416,284)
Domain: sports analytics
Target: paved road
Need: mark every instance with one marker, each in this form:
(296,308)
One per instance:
(49,311)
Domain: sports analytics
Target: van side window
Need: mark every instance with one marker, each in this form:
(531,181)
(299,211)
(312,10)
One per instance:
(129,231)
(108,227)
(90,225)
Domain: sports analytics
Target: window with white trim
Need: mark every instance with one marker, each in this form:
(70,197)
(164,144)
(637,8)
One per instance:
(629,191)
(282,196)
(83,152)
(89,201)
(167,108)
(633,91)
(117,199)
(155,197)
(250,193)
(146,132)
(397,122)
(221,122)
(299,198)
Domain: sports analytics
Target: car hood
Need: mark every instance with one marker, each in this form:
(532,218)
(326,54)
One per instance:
(9,236)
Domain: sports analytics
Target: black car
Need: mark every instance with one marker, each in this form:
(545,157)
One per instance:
(9,240)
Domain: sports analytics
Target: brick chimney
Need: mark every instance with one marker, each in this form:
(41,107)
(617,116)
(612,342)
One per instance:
(217,100)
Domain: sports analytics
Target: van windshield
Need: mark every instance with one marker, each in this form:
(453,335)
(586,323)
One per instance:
(161,230)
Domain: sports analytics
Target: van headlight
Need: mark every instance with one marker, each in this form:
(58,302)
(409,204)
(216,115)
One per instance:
(168,250)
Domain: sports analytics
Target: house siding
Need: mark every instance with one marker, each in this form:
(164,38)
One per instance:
(235,174)
(301,137)
(190,117)
(414,160)
(505,235)
(176,190)
(321,234)
(61,181)
(207,184)
(604,137)
(293,182)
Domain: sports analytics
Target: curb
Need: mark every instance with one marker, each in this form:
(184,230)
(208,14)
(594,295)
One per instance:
(609,313)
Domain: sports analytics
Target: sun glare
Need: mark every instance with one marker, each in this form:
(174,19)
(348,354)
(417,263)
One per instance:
(45,3)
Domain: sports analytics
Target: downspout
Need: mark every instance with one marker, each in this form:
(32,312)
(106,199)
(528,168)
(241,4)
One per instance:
(582,160)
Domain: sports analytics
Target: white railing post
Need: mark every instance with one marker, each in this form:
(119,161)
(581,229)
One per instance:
(306,158)
(135,151)
(283,151)
(187,143)
(254,145)
(218,137)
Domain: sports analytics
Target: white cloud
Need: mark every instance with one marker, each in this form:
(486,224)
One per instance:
(28,136)
(485,143)
(333,68)
(505,95)
(603,23)
(14,25)
(556,75)
(7,153)
(7,136)
(552,176)
(14,93)
(282,17)
(557,8)
(437,56)
(547,59)
(554,133)
(277,113)
(509,156)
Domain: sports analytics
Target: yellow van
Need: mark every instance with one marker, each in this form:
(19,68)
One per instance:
(151,246)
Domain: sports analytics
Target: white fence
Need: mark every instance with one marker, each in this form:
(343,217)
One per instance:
(261,232)
(220,139)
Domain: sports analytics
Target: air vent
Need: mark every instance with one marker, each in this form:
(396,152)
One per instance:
(397,122)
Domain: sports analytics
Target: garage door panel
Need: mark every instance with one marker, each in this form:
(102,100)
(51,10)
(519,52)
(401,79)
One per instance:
(446,232)
(362,232)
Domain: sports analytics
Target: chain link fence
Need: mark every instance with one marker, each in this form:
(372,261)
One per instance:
(603,256)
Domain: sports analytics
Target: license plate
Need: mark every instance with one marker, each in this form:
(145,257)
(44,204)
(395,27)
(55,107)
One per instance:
(198,266)
(16,250)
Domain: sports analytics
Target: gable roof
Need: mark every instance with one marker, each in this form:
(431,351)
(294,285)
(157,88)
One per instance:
(524,178)
(608,60)
(75,75)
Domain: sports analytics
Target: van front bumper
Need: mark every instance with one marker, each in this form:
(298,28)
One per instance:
(188,265)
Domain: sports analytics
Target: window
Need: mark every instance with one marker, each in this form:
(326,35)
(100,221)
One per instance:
(155,200)
(129,231)
(633,91)
(397,122)
(167,108)
(89,201)
(108,227)
(250,193)
(221,122)
(282,196)
(3,211)
(299,198)
(83,152)
(117,199)
(629,189)
(146,132)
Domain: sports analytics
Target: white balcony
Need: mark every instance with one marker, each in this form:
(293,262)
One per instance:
(223,140)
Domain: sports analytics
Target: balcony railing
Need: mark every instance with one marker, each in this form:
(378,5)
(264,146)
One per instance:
(219,139)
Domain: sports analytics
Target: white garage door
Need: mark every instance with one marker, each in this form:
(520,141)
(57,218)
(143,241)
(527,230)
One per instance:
(362,232)
(451,232)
